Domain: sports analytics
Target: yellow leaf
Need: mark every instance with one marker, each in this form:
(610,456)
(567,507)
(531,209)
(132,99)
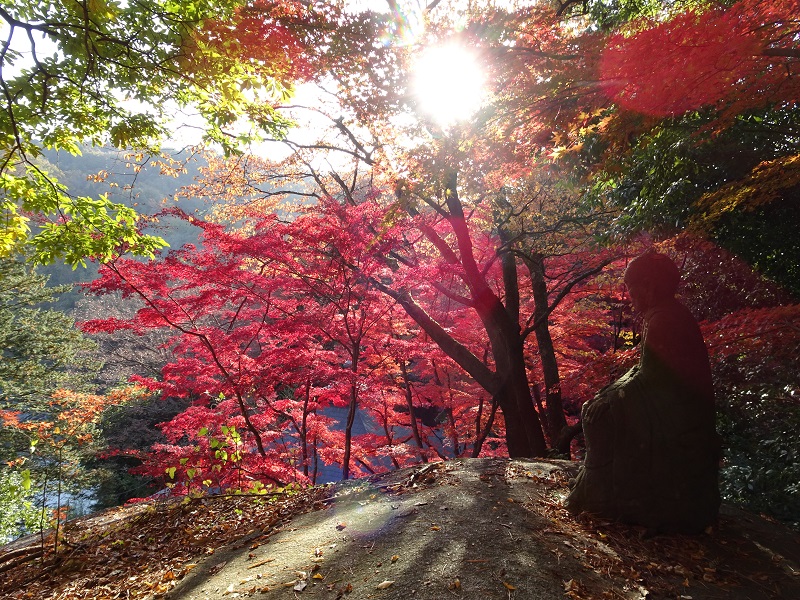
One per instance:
(509,586)
(317,576)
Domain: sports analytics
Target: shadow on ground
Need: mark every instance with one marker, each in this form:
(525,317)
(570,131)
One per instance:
(485,529)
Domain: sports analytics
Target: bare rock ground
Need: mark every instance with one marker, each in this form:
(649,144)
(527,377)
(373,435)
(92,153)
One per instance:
(485,529)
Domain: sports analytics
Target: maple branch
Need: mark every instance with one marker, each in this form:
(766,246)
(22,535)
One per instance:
(452,295)
(783,52)
(433,237)
(454,349)
(458,222)
(540,53)
(563,5)
(295,146)
(562,294)
(209,346)
(366,155)
(348,190)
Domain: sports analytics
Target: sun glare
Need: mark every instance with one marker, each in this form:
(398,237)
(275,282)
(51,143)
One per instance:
(448,83)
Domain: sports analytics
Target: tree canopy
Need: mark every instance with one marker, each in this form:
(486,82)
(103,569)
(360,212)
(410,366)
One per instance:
(457,280)
(115,73)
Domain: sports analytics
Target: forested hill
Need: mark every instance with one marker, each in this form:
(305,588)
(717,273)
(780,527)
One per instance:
(126,180)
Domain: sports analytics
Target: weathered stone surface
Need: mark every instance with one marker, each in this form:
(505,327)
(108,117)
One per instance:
(652,453)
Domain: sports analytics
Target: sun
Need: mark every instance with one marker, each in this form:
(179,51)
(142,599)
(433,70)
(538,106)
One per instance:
(448,83)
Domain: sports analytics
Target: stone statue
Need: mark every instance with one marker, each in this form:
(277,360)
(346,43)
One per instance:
(652,452)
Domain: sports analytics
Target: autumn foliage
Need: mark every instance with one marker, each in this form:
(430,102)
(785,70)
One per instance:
(719,56)
(446,288)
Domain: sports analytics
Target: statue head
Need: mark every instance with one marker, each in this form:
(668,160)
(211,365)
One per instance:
(651,278)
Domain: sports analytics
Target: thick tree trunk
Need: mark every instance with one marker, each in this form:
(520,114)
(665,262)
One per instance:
(524,434)
(508,383)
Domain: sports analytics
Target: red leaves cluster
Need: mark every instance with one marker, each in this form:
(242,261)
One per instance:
(274,331)
(706,58)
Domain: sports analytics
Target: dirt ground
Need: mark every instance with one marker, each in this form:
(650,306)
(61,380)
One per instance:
(487,529)
(471,528)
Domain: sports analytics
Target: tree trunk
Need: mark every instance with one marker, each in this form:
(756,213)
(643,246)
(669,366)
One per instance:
(412,415)
(556,421)
(304,428)
(524,434)
(508,383)
(351,415)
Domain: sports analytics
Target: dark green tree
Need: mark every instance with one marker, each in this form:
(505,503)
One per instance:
(41,349)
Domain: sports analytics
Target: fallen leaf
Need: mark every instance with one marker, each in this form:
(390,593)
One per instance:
(455,585)
(385,584)
(300,586)
(340,526)
(509,586)
(395,558)
(317,576)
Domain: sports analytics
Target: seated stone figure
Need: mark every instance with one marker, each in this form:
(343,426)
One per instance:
(652,452)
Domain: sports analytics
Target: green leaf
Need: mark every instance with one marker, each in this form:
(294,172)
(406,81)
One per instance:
(26,480)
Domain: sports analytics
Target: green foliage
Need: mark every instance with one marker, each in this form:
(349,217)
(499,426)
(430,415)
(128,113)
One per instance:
(767,239)
(113,73)
(758,409)
(42,353)
(17,511)
(761,471)
(130,431)
(608,14)
(41,349)
(659,186)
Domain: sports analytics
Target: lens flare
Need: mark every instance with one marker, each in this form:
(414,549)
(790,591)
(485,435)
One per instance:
(448,83)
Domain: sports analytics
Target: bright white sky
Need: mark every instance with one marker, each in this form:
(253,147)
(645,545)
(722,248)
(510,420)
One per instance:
(448,82)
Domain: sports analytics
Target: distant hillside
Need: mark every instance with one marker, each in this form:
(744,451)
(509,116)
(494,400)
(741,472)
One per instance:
(148,191)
